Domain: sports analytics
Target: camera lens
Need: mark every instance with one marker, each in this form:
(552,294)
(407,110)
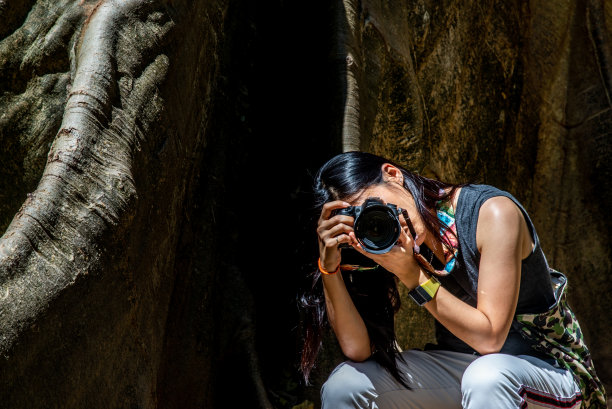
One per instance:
(378,229)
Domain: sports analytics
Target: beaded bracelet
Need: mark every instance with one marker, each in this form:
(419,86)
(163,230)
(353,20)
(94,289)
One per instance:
(323,271)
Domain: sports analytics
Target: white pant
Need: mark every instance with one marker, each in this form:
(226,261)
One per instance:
(445,379)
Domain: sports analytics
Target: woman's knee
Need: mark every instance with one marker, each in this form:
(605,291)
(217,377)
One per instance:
(488,379)
(348,386)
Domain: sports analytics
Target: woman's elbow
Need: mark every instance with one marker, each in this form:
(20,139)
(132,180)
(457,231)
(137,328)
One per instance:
(357,354)
(488,349)
(491,345)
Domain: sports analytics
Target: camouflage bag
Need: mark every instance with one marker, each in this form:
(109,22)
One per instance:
(557,333)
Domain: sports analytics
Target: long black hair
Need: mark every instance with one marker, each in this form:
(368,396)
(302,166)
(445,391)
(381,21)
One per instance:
(374,294)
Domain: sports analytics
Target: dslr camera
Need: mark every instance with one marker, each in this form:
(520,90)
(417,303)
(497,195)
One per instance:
(377,226)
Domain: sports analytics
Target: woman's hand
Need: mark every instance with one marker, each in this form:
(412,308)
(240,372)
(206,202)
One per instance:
(332,231)
(399,260)
(344,318)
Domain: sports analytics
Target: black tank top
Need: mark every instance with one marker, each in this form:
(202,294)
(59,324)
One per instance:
(535,292)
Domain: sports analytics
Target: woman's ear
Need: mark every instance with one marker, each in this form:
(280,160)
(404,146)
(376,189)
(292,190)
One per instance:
(392,174)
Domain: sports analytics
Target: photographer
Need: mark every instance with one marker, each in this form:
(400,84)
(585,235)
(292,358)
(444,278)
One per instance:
(470,255)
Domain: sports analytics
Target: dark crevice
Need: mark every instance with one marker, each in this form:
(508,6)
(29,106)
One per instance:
(13,15)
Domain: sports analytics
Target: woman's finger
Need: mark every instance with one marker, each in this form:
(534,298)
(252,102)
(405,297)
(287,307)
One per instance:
(341,238)
(329,253)
(324,234)
(404,237)
(329,223)
(329,207)
(359,248)
(353,238)
(331,242)
(406,241)
(337,230)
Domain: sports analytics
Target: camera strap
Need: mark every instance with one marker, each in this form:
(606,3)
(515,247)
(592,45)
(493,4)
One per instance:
(408,222)
(424,251)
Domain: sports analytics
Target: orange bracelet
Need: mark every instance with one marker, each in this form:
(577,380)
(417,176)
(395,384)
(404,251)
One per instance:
(323,271)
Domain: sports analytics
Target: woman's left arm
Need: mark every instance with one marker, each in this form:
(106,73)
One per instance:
(500,236)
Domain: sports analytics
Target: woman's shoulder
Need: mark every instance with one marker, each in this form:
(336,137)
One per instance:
(473,196)
(479,203)
(500,216)
(500,213)
(494,201)
(479,189)
(476,198)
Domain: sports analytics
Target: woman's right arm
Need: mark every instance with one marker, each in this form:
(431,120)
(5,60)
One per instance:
(344,318)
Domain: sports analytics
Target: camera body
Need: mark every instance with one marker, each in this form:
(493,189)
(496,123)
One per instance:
(376,225)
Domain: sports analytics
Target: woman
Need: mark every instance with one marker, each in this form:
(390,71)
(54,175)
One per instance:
(490,273)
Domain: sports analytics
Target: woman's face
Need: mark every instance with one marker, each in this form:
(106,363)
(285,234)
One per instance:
(393,192)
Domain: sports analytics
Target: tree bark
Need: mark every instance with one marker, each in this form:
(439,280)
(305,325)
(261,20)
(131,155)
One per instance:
(106,113)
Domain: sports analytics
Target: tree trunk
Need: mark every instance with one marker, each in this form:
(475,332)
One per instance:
(107,109)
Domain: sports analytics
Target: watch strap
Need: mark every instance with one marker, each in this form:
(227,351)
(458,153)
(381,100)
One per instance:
(425,292)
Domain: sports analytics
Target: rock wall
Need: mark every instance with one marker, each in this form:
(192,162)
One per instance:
(513,94)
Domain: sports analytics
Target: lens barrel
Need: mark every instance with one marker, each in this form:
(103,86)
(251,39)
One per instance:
(377,226)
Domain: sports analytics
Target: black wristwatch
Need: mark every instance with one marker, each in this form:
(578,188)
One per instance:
(425,292)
